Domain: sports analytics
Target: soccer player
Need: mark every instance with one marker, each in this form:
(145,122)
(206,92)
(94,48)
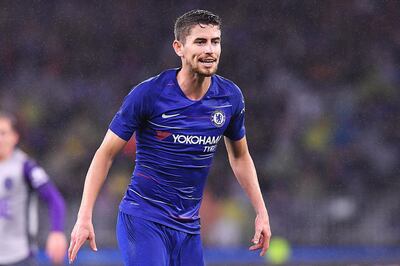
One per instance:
(21,179)
(179,117)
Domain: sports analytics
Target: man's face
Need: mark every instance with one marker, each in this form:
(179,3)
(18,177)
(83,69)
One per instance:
(8,138)
(201,50)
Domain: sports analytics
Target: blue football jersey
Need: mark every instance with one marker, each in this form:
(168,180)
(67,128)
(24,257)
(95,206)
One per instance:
(176,141)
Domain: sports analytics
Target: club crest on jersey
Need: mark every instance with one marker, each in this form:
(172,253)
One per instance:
(218,118)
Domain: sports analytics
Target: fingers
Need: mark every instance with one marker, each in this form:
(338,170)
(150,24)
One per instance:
(265,245)
(78,238)
(72,250)
(262,234)
(93,243)
(71,247)
(257,236)
(257,245)
(74,247)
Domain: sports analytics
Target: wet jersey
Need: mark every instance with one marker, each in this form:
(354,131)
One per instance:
(176,140)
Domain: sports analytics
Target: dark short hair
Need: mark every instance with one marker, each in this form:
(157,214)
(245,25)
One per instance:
(11,118)
(184,23)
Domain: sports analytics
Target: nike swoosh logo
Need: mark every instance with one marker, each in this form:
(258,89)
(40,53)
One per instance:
(169,116)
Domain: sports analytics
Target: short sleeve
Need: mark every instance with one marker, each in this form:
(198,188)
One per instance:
(131,114)
(236,129)
(35,174)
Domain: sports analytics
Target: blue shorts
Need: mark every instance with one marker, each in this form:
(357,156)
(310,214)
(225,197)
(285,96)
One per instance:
(146,243)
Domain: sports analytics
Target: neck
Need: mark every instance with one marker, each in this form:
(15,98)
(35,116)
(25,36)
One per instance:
(6,155)
(193,85)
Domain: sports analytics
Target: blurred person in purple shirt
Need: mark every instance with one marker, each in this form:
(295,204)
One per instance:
(21,181)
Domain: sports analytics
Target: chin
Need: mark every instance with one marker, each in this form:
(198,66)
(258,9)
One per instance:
(207,72)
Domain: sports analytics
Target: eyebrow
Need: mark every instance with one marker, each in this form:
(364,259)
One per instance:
(204,39)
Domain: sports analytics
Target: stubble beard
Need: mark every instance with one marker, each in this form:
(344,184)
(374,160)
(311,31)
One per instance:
(208,72)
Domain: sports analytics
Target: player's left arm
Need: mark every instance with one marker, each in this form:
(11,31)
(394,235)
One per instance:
(245,172)
(56,244)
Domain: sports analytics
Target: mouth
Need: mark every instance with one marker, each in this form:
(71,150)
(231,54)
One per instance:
(207,62)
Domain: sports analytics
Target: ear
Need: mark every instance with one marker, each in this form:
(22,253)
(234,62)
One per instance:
(178,47)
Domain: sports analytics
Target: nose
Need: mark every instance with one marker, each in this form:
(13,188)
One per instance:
(209,49)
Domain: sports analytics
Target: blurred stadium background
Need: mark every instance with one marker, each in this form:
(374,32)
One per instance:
(321,80)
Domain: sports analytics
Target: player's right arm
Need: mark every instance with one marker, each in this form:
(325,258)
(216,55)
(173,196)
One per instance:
(96,175)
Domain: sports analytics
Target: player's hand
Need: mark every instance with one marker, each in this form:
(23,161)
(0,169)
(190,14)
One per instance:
(83,230)
(262,234)
(56,247)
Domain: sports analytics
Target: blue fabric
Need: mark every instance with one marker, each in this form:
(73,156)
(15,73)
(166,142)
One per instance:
(176,141)
(146,243)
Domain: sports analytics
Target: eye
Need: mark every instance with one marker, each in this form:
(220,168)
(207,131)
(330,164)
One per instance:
(199,41)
